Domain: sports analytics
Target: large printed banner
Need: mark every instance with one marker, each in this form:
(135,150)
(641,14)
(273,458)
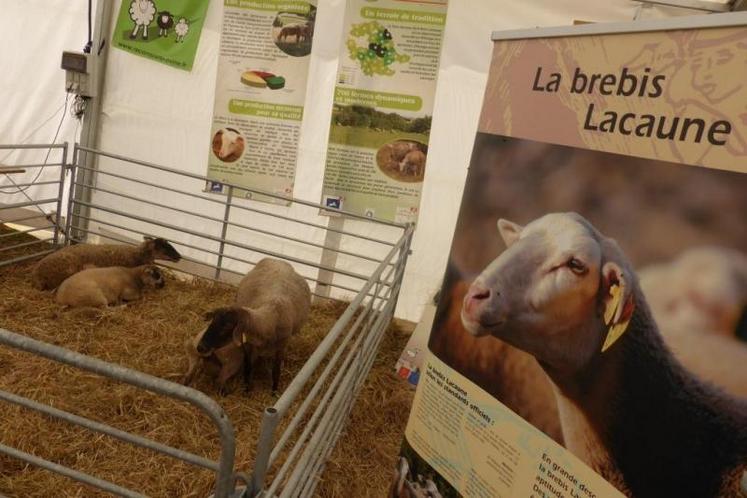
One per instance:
(677,96)
(590,337)
(166,31)
(383,104)
(259,93)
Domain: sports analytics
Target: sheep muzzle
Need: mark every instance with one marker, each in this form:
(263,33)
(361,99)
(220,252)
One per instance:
(203,350)
(481,310)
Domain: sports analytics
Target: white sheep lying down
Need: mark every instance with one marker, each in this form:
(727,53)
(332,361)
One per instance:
(567,295)
(272,304)
(100,287)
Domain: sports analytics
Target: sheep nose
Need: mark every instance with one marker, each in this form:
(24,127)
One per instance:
(201,349)
(476,297)
(478,292)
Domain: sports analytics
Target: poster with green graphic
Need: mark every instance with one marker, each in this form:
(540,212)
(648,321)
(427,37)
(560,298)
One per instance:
(383,105)
(166,31)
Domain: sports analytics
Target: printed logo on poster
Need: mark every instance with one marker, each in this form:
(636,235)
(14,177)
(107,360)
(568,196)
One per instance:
(406,214)
(333,202)
(284,192)
(369,212)
(214,187)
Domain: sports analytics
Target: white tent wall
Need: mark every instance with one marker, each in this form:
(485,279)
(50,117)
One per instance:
(33,34)
(162,115)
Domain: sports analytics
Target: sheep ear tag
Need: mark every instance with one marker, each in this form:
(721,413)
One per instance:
(612,309)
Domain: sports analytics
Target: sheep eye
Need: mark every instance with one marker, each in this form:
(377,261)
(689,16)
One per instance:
(576,266)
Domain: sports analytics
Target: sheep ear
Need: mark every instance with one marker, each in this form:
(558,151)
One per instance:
(509,231)
(617,301)
(239,336)
(241,329)
(209,316)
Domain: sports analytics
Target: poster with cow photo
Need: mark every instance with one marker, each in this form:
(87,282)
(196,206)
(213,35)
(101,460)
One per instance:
(591,335)
(260,92)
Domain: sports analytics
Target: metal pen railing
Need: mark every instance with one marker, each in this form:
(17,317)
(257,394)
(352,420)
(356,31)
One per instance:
(224,483)
(320,432)
(41,247)
(199,209)
(316,402)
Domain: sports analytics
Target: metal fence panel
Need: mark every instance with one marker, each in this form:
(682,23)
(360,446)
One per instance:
(347,350)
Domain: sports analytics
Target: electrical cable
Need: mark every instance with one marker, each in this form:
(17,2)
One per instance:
(47,120)
(46,158)
(20,190)
(78,109)
(89,43)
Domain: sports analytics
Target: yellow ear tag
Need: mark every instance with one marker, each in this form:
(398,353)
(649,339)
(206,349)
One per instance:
(618,329)
(244,338)
(612,304)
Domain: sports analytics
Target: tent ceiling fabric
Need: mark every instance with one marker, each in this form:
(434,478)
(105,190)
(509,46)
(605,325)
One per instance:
(159,114)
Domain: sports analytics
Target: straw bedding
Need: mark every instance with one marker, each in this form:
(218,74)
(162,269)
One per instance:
(149,336)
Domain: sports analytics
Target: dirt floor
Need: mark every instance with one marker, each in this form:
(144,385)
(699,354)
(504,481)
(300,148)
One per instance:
(149,336)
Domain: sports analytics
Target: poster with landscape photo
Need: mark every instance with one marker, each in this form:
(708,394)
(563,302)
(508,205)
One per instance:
(383,106)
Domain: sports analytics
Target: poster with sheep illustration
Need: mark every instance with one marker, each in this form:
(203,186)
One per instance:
(383,105)
(590,340)
(166,31)
(260,92)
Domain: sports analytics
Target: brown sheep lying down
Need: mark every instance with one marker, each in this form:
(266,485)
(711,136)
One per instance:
(56,267)
(272,304)
(568,296)
(100,287)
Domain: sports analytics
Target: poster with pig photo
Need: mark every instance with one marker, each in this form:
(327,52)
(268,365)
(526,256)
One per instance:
(590,337)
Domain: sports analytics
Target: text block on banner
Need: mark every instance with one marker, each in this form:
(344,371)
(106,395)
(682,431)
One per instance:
(589,337)
(383,106)
(259,94)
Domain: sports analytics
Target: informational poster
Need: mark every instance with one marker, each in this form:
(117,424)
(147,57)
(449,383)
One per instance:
(383,106)
(259,94)
(166,31)
(589,338)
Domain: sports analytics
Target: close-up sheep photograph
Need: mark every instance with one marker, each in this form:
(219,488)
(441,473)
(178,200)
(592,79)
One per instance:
(605,311)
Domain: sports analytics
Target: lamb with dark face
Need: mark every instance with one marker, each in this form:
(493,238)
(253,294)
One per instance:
(226,325)
(165,22)
(272,304)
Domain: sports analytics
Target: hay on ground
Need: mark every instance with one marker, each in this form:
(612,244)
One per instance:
(148,336)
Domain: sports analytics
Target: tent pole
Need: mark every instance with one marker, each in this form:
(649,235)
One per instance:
(329,256)
(91,119)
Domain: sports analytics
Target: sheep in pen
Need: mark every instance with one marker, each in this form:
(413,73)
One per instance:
(148,335)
